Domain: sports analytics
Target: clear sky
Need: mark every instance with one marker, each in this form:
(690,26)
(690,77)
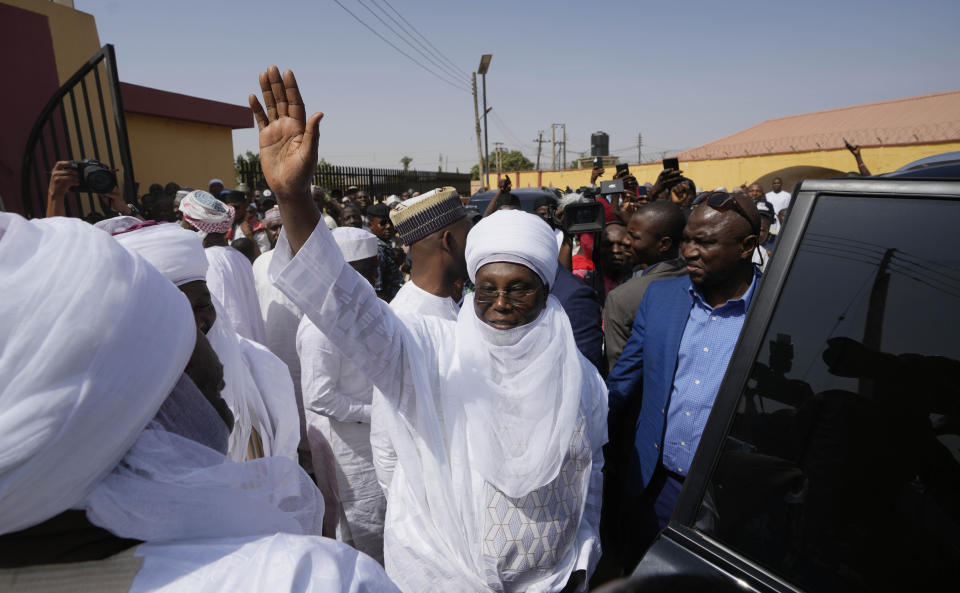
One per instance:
(680,73)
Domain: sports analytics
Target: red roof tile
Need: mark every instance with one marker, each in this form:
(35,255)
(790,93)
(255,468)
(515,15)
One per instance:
(923,119)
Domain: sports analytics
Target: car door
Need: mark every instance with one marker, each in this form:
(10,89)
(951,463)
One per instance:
(831,459)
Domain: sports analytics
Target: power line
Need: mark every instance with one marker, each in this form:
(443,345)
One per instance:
(498,121)
(408,56)
(906,255)
(912,260)
(438,52)
(912,274)
(446,69)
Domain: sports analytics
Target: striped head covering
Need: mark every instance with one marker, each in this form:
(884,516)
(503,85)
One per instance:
(206,213)
(426,214)
(271,215)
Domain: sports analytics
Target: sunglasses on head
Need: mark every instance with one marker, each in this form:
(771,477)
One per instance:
(718,200)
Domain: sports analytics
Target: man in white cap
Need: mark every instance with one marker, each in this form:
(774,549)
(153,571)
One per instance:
(113,476)
(230,277)
(337,398)
(258,388)
(497,419)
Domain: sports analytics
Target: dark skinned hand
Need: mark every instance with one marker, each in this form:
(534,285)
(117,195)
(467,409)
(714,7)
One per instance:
(854,150)
(288,151)
(62,178)
(288,141)
(595,174)
(504,185)
(667,179)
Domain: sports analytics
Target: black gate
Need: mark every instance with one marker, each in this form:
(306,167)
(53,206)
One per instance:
(377,182)
(75,124)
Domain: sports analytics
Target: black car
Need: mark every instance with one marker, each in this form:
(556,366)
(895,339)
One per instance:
(527,195)
(831,459)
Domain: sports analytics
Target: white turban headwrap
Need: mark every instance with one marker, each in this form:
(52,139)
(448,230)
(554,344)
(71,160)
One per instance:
(516,237)
(175,251)
(354,243)
(77,387)
(206,213)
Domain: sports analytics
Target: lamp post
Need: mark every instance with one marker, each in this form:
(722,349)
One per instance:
(482,70)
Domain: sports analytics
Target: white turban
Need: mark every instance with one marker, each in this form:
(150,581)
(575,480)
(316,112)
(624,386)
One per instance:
(78,382)
(516,237)
(172,249)
(206,213)
(354,243)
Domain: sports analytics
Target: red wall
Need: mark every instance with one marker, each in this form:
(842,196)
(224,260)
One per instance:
(30,70)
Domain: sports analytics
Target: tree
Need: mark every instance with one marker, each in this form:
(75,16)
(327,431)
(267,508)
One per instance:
(247,166)
(405,161)
(510,160)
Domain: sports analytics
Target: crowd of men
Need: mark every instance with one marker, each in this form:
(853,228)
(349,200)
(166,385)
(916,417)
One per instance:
(295,388)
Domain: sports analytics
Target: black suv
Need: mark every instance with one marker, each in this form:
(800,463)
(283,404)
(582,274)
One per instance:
(831,459)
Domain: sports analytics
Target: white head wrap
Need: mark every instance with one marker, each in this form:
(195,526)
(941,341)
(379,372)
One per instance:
(76,386)
(175,251)
(206,213)
(354,243)
(513,236)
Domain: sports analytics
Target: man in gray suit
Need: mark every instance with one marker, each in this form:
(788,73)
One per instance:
(655,231)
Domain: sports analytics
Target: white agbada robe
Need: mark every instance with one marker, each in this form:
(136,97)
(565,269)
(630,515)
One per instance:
(80,430)
(281,318)
(337,399)
(411,300)
(230,279)
(448,526)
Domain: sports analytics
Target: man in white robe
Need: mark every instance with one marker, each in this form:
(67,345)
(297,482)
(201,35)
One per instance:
(230,276)
(497,419)
(434,225)
(100,438)
(258,388)
(337,398)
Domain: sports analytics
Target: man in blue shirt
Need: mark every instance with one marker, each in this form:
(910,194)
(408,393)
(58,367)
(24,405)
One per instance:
(683,337)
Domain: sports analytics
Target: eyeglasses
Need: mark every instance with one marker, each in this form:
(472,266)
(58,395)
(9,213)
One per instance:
(517,297)
(718,200)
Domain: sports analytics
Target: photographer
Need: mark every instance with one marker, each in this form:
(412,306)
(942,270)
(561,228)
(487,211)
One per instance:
(66,175)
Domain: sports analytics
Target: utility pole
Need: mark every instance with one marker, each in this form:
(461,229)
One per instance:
(873,329)
(559,147)
(498,148)
(539,147)
(440,164)
(476,119)
(482,70)
(553,146)
(639,148)
(564,145)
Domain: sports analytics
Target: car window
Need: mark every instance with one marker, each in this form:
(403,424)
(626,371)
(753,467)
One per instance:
(841,468)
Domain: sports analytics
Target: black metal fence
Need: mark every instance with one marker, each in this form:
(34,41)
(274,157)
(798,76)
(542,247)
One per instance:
(83,119)
(377,182)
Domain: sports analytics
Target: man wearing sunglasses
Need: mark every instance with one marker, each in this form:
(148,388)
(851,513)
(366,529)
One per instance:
(683,337)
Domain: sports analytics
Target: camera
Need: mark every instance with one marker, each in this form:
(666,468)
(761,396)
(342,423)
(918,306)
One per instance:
(95,177)
(585,216)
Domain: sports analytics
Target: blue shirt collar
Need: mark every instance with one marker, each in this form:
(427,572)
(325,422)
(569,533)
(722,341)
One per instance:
(746,299)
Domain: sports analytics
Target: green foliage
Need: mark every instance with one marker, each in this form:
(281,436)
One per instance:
(510,160)
(405,161)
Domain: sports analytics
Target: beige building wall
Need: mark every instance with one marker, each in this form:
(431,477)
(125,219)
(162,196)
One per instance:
(188,153)
(730,173)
